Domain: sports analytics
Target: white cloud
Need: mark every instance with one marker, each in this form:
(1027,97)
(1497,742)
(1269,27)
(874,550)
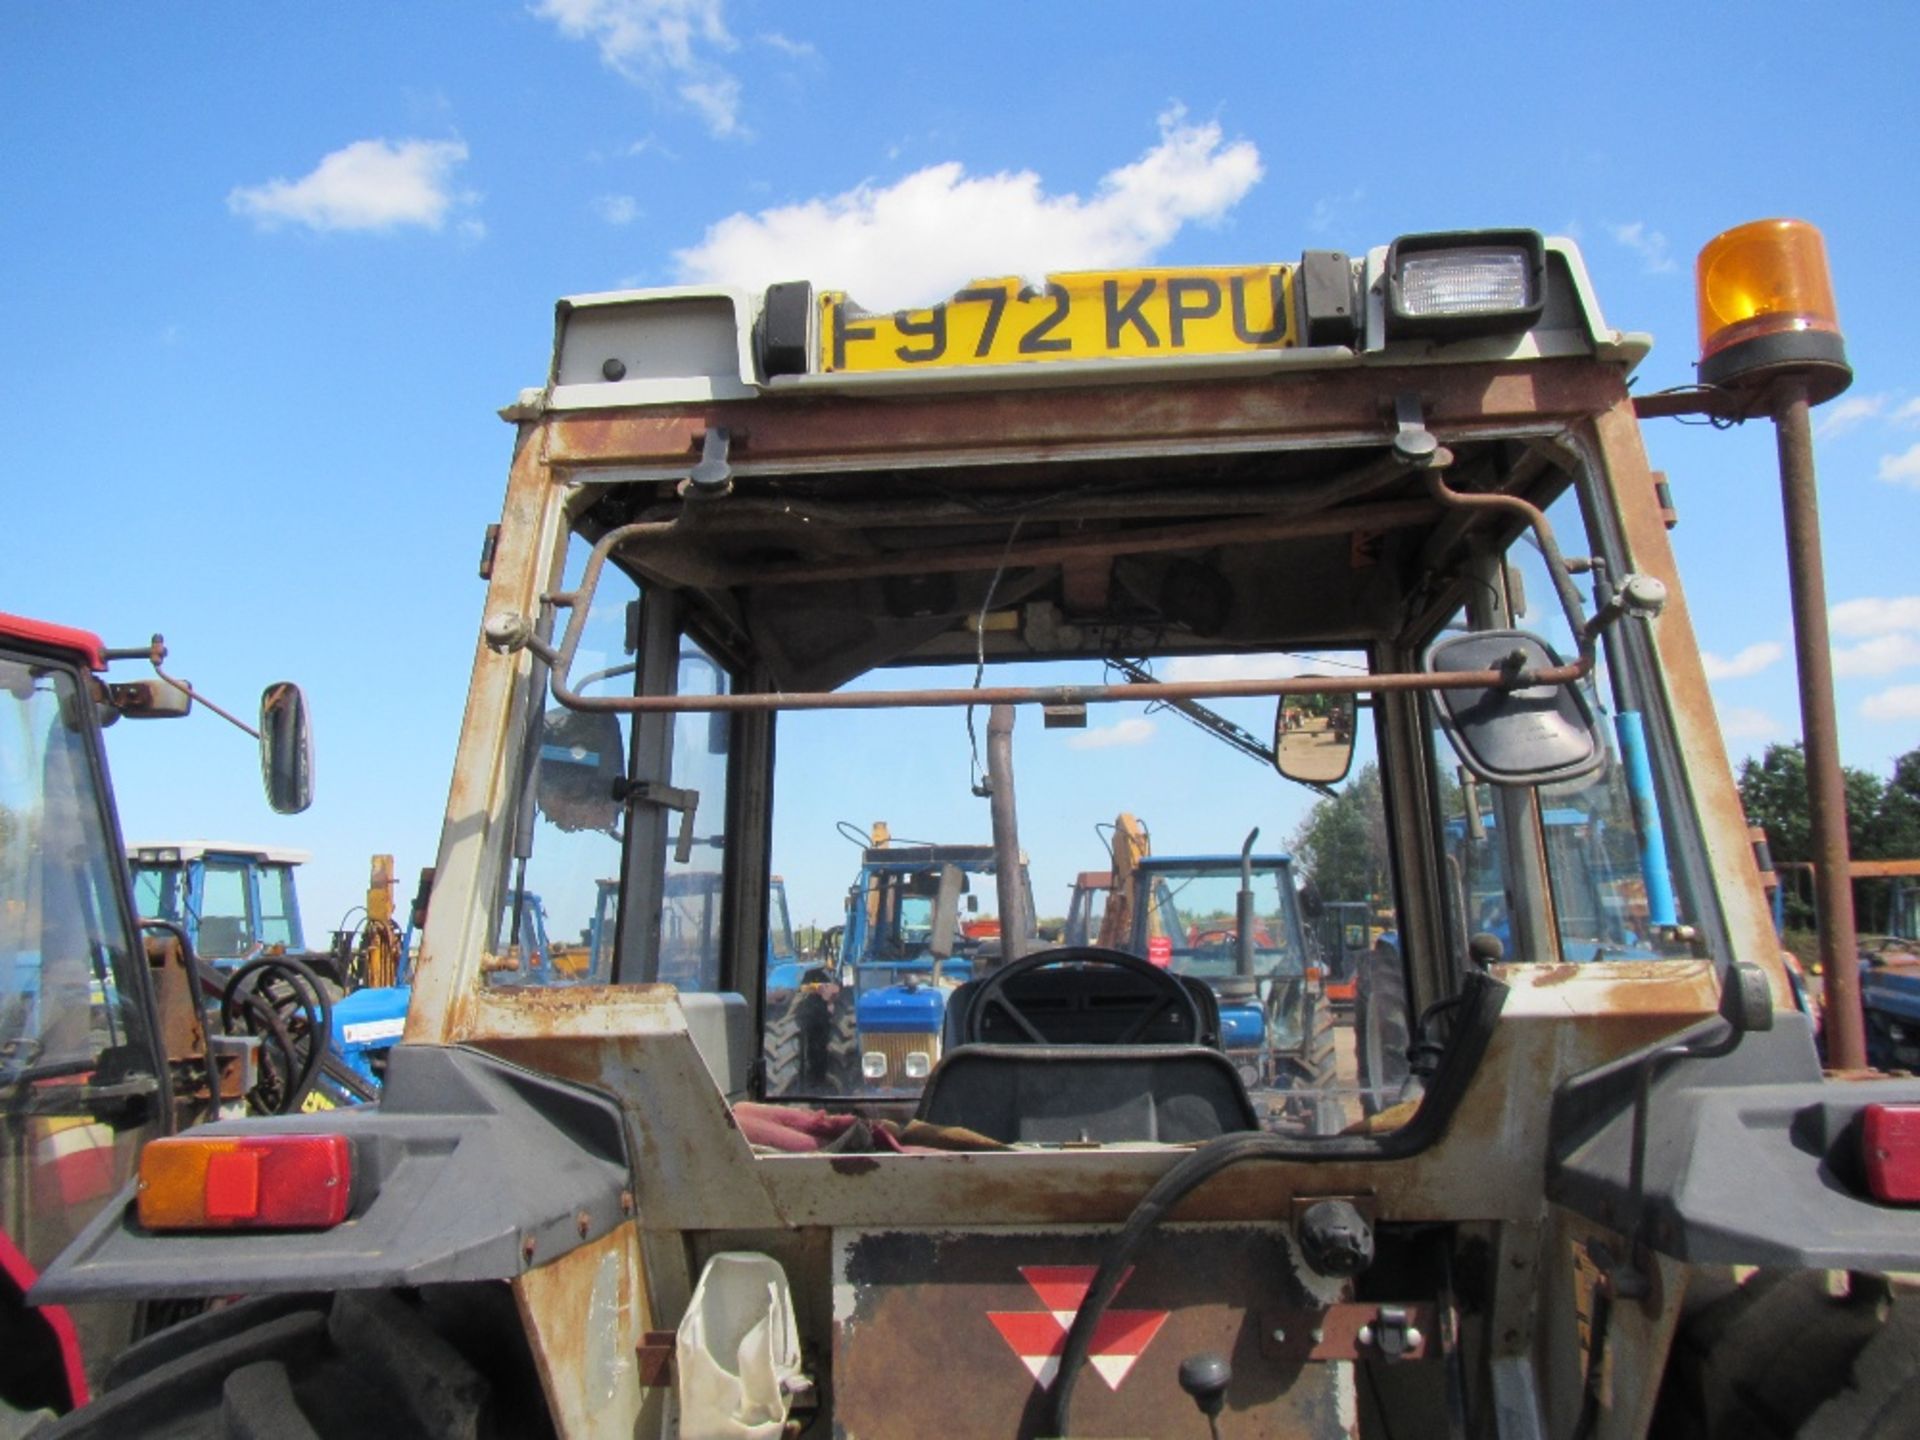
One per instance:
(1880,656)
(1908,413)
(1331,209)
(931,232)
(368,185)
(1902,702)
(794,49)
(1649,245)
(1750,661)
(617,209)
(1875,616)
(1902,469)
(1745,723)
(1242,667)
(660,43)
(1133,731)
(1846,414)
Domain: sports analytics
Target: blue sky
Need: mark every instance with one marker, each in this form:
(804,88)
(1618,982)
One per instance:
(270,270)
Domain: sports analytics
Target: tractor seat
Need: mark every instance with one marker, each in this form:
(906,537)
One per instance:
(1115,1062)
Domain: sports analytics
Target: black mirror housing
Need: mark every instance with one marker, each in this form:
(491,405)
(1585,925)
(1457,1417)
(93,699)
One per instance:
(1532,735)
(286,748)
(582,769)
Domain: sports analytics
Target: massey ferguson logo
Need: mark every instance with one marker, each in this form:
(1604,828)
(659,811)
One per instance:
(1038,1336)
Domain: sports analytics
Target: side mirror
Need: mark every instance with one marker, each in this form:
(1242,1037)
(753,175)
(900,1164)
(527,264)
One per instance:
(286,748)
(1313,737)
(1536,735)
(582,769)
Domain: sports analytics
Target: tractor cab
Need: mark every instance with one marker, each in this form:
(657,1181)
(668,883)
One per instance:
(1276,1023)
(235,901)
(765,556)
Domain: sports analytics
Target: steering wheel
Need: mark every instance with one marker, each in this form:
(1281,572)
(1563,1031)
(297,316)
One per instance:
(1219,942)
(993,993)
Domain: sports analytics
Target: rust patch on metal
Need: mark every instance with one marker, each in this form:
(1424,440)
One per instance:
(854,1164)
(584,1314)
(915,1308)
(655,1355)
(795,428)
(1554,974)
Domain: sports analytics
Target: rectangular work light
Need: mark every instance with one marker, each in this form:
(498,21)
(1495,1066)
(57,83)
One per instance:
(1465,282)
(264,1182)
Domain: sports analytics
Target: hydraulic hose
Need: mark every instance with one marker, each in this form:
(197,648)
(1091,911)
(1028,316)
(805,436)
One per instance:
(1187,1176)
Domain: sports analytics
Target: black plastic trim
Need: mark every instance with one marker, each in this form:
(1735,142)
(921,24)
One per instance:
(786,324)
(1819,354)
(1329,308)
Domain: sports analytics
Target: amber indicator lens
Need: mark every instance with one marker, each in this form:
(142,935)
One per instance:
(264,1182)
(1765,278)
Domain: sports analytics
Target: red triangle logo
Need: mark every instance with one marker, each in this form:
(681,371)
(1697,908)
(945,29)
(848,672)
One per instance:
(1038,1337)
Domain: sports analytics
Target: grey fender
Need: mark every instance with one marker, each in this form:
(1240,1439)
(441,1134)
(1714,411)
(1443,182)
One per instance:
(1751,1158)
(468,1169)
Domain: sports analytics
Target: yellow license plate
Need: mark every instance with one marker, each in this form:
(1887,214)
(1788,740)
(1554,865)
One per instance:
(1098,315)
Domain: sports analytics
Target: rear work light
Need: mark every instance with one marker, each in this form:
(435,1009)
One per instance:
(1890,1142)
(258,1182)
(1469,282)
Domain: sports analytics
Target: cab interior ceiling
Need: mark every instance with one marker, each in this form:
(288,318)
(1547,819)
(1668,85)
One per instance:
(823,578)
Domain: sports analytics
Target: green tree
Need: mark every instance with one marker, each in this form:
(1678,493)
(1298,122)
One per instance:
(1342,844)
(1883,819)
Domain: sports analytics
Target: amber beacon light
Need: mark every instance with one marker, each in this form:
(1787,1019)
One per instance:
(1766,310)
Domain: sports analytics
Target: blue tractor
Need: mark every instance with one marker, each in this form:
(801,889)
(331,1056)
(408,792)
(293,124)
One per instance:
(1234,921)
(234,901)
(866,1015)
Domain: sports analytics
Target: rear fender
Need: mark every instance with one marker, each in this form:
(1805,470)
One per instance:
(468,1169)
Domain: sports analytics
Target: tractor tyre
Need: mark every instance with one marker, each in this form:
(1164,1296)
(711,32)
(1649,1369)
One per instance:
(843,1045)
(1381,1028)
(446,1361)
(783,1050)
(1780,1357)
(1322,1077)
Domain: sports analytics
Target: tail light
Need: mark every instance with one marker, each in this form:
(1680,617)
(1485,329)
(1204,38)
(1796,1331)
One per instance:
(263,1182)
(1890,1138)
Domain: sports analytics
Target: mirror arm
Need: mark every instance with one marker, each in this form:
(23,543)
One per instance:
(1563,584)
(507,631)
(155,653)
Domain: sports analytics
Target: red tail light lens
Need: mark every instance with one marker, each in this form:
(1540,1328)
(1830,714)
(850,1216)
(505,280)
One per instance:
(1890,1136)
(264,1182)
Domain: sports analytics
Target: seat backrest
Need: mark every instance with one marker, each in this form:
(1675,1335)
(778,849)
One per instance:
(1081,1005)
(1079,1094)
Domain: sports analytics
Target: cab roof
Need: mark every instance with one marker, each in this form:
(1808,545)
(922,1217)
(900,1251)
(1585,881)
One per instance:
(149,851)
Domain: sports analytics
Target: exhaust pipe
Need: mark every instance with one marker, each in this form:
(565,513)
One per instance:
(1015,924)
